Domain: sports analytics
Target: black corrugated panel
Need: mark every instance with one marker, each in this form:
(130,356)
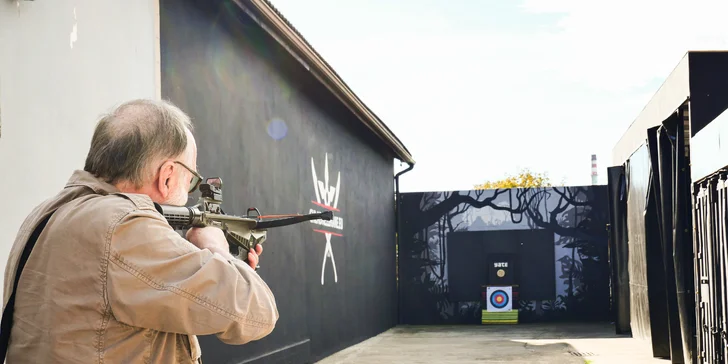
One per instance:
(663,303)
(662,142)
(711,201)
(661,269)
(638,181)
(682,240)
(671,178)
(660,244)
(618,254)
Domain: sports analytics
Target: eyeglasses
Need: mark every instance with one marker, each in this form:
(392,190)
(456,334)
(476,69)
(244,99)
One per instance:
(196,178)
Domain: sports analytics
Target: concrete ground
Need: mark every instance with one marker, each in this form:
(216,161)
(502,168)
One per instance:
(523,343)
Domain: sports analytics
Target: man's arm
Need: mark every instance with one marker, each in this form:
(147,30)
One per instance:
(158,280)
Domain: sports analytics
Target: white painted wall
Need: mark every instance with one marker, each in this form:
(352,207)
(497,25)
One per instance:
(706,148)
(63,63)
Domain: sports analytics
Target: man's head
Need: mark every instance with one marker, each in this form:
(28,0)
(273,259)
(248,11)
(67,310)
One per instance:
(146,146)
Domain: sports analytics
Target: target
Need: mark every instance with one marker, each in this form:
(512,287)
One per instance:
(499,298)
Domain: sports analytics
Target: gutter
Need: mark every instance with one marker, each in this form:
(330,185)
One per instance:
(396,176)
(396,199)
(273,22)
(396,232)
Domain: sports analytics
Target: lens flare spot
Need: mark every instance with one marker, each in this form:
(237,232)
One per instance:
(277,129)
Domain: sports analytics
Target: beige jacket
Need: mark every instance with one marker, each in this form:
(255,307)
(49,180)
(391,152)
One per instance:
(109,281)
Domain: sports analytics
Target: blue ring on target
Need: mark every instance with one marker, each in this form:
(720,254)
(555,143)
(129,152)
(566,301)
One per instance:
(497,296)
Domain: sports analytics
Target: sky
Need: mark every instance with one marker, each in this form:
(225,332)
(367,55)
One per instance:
(479,89)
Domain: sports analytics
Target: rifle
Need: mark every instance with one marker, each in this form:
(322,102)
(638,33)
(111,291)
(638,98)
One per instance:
(243,234)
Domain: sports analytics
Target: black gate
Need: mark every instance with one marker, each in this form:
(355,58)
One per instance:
(711,260)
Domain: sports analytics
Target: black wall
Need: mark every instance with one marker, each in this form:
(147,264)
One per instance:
(638,176)
(659,238)
(649,315)
(618,249)
(556,238)
(673,269)
(708,91)
(243,91)
(529,252)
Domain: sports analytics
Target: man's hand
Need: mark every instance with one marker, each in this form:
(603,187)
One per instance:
(210,238)
(254,257)
(213,239)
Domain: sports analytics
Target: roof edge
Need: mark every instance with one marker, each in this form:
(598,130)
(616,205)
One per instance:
(672,93)
(285,34)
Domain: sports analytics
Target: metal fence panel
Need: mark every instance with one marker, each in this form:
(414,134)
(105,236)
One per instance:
(711,264)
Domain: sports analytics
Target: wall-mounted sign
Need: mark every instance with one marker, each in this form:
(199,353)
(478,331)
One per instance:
(327,197)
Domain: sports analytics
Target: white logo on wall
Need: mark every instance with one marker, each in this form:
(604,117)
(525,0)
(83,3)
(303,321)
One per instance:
(327,197)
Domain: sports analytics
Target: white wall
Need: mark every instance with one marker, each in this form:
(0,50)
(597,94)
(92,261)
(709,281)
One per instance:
(706,150)
(62,63)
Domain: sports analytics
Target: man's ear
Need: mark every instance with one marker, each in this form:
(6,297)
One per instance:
(164,183)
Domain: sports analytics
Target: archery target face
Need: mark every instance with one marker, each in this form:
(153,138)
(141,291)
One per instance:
(499,299)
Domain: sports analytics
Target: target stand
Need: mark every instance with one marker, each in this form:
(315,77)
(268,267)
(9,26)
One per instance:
(499,306)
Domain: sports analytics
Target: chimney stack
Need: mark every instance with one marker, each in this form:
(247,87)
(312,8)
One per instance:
(594,174)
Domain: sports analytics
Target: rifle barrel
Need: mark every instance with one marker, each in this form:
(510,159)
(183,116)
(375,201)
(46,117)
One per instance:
(265,224)
(183,217)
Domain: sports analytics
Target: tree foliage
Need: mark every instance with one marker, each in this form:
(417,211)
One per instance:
(523,179)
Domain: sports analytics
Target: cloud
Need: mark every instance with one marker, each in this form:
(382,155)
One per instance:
(473,99)
(619,45)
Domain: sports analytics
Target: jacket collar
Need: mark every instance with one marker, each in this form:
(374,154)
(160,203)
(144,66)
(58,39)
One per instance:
(81,178)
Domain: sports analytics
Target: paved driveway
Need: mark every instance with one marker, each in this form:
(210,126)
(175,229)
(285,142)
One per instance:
(523,343)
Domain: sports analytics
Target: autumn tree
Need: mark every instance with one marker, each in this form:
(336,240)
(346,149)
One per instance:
(524,179)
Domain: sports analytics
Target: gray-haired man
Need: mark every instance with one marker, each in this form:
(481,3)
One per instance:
(108,279)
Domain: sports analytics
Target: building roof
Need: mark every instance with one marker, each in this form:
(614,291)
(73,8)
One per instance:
(671,94)
(273,22)
(698,79)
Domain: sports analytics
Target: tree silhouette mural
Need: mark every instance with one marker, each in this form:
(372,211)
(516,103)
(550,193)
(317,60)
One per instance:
(577,217)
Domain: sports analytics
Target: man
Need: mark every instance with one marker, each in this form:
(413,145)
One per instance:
(109,281)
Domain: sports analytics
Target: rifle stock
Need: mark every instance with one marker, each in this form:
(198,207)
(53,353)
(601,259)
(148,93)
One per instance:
(242,233)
